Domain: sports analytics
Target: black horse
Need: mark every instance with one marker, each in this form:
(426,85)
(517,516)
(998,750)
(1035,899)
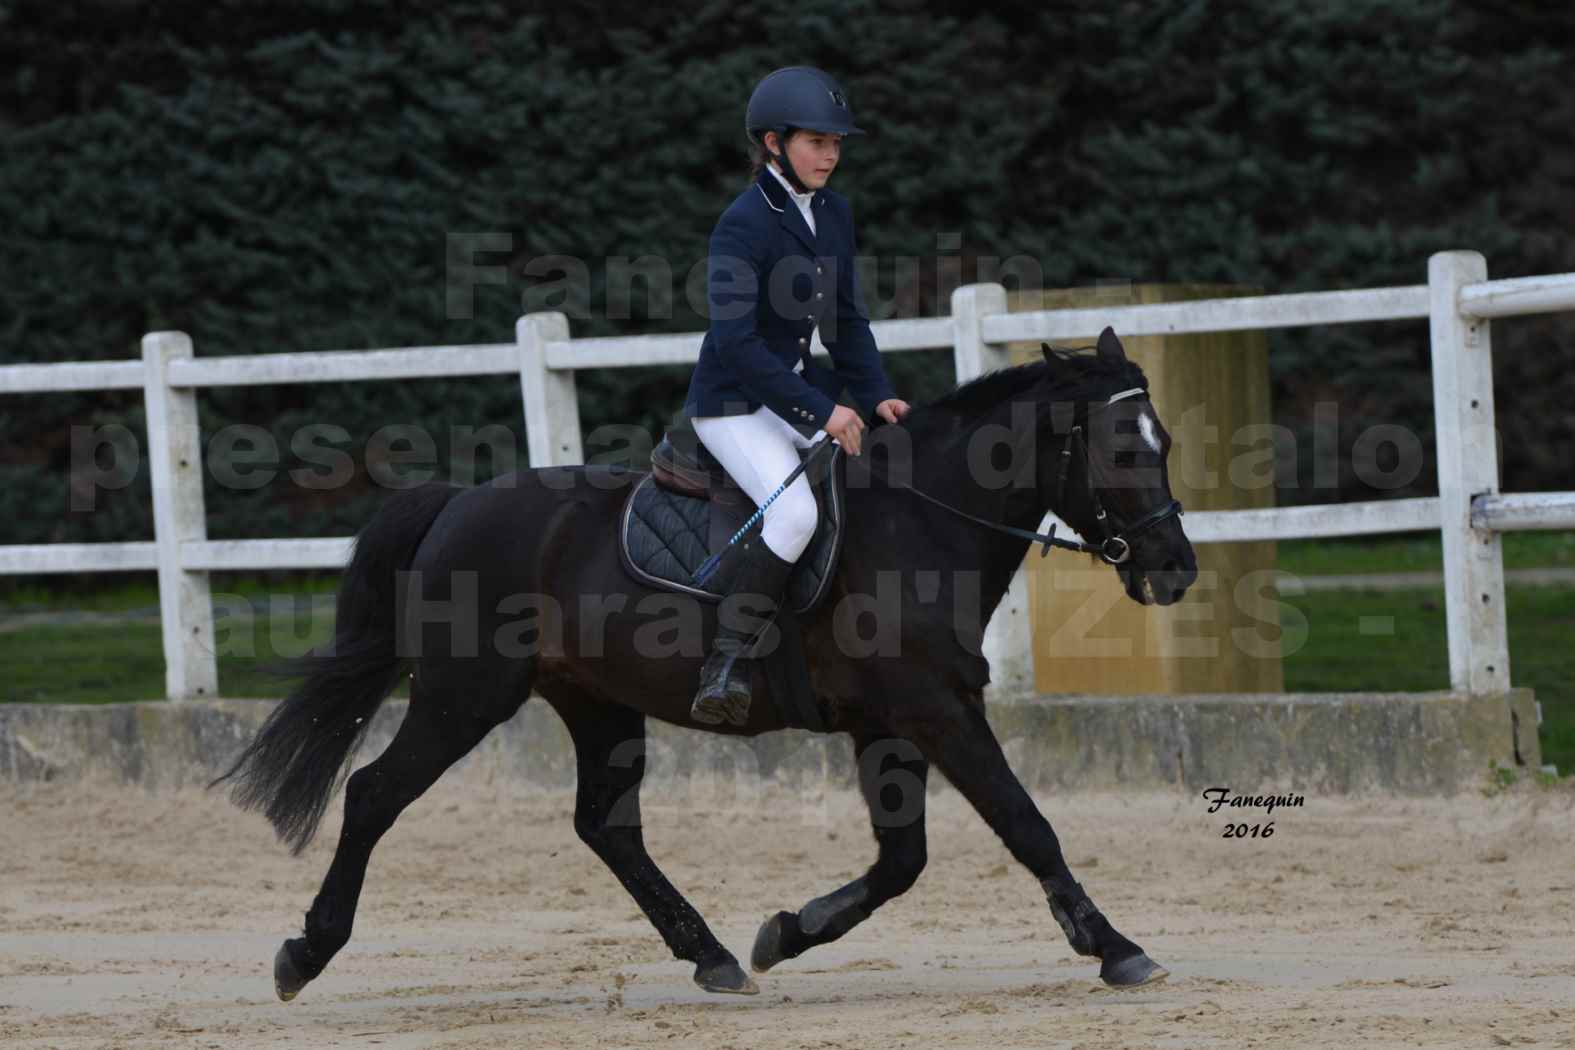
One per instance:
(1078,436)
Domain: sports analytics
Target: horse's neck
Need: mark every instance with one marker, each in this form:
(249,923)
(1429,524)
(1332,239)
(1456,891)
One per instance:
(989,556)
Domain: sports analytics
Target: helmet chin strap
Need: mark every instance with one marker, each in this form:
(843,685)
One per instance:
(786,167)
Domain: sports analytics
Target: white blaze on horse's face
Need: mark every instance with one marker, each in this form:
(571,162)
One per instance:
(1148,428)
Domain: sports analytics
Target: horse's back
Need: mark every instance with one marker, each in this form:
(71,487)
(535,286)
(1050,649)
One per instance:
(550,530)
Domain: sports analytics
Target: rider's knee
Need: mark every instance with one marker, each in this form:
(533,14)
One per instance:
(791,523)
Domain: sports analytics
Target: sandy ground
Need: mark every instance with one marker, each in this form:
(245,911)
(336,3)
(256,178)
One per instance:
(136,920)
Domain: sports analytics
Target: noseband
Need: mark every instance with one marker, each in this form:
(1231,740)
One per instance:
(1116,547)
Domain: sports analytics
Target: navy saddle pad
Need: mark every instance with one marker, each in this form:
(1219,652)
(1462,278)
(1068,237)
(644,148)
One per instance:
(666,535)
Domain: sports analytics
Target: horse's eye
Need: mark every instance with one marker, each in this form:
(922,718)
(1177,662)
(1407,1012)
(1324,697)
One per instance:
(1126,459)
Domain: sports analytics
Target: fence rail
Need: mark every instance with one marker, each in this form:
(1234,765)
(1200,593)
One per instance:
(71,375)
(1518,295)
(1469,512)
(78,557)
(346,366)
(1214,315)
(1524,511)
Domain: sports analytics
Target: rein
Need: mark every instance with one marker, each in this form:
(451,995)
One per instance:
(1116,547)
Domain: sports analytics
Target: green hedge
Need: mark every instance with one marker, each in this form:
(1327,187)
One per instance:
(282,177)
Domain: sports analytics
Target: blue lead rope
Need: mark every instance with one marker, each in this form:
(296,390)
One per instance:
(708,567)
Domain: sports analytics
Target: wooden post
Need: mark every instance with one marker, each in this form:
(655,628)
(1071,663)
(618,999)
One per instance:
(175,461)
(1008,639)
(1467,467)
(552,409)
(1211,390)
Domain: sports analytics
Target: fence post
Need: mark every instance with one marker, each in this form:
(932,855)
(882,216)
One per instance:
(1008,639)
(175,460)
(552,409)
(1467,467)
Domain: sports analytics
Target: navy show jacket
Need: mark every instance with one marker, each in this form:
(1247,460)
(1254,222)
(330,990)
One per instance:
(769,283)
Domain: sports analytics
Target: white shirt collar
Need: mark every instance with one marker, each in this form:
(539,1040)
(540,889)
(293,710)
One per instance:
(801,199)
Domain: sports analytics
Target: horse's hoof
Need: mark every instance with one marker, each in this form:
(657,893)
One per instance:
(287,980)
(768,944)
(1132,972)
(726,977)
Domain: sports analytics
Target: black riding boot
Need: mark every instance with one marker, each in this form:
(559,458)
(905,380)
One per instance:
(724,693)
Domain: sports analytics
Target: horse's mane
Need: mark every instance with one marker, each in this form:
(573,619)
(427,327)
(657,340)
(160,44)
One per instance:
(1073,374)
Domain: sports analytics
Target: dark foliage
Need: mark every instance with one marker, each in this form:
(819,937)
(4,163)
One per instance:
(282,177)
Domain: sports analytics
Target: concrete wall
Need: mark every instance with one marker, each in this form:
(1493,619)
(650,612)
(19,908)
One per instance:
(1415,743)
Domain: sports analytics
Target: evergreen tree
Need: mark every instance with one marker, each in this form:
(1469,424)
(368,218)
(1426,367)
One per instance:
(286,177)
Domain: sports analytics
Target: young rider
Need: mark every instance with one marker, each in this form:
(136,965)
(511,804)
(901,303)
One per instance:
(781,264)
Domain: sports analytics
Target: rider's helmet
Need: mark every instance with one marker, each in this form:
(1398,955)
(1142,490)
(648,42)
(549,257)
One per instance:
(797,97)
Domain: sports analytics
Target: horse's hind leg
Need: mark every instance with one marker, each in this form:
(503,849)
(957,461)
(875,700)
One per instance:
(609,748)
(954,735)
(892,776)
(435,734)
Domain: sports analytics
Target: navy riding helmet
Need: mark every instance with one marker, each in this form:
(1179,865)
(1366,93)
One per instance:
(797,97)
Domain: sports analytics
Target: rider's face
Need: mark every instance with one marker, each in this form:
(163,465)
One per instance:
(814,155)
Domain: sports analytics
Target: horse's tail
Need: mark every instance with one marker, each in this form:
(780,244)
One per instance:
(292,765)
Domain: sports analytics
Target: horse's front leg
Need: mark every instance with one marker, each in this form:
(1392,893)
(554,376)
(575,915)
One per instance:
(954,735)
(892,776)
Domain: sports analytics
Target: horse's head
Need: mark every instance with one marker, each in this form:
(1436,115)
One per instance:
(1101,467)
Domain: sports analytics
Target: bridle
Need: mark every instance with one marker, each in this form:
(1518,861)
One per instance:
(1116,547)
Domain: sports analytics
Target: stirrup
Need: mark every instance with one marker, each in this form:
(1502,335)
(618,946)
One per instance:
(725,693)
(727,700)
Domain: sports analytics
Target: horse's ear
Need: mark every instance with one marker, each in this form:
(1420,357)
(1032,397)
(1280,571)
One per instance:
(1048,356)
(1110,347)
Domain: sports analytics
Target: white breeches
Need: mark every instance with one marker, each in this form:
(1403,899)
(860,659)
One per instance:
(758,451)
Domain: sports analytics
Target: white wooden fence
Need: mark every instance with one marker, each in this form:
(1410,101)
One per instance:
(1470,512)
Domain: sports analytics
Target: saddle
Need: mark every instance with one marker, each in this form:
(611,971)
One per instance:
(688,509)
